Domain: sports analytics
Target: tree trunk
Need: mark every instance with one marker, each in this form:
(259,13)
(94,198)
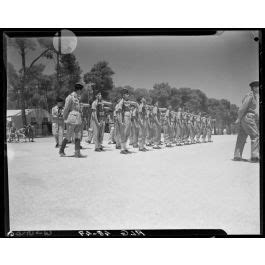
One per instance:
(22,98)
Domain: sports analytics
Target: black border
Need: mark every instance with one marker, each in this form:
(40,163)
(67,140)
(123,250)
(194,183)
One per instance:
(35,32)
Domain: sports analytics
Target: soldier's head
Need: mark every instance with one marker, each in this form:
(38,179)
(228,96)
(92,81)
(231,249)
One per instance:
(179,109)
(125,94)
(98,95)
(78,88)
(59,102)
(169,107)
(254,86)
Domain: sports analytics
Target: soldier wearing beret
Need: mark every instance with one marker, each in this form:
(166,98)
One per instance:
(248,122)
(73,119)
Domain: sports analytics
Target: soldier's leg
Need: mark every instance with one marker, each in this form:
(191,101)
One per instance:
(68,136)
(77,140)
(131,135)
(117,135)
(96,134)
(127,129)
(101,137)
(250,127)
(60,134)
(141,138)
(111,135)
(240,143)
(148,135)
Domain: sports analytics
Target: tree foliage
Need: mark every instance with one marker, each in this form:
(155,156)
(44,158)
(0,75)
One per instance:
(101,77)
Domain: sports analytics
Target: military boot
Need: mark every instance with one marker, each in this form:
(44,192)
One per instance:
(61,151)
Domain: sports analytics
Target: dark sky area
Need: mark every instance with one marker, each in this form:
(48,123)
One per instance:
(221,66)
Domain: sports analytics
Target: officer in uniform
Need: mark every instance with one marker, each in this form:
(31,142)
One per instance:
(248,121)
(124,120)
(98,122)
(142,121)
(73,119)
(157,125)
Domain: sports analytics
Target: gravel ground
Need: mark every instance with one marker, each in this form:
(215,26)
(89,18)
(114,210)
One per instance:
(194,186)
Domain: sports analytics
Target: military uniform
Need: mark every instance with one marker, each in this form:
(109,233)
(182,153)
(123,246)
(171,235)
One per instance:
(58,124)
(157,126)
(209,129)
(73,119)
(198,128)
(178,128)
(98,129)
(124,120)
(116,129)
(167,127)
(150,128)
(142,126)
(203,129)
(248,116)
(135,127)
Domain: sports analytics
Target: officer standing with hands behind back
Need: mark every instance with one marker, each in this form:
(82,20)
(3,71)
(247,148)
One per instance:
(73,118)
(248,122)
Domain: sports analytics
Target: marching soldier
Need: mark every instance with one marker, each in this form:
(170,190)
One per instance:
(98,122)
(157,126)
(178,127)
(111,130)
(209,128)
(116,128)
(72,117)
(167,126)
(124,120)
(134,133)
(149,126)
(142,121)
(248,121)
(198,127)
(203,129)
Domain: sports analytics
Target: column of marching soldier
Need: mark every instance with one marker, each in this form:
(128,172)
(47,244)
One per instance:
(138,123)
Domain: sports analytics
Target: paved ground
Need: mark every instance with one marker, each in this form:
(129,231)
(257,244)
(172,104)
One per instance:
(195,186)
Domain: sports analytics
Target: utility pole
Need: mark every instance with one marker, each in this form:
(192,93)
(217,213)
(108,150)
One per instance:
(58,63)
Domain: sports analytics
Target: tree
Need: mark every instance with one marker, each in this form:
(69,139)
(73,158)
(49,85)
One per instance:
(101,76)
(161,92)
(70,73)
(23,46)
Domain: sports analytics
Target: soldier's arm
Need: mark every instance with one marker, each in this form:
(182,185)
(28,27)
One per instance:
(242,110)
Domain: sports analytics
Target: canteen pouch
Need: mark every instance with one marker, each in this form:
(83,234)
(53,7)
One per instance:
(74,118)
